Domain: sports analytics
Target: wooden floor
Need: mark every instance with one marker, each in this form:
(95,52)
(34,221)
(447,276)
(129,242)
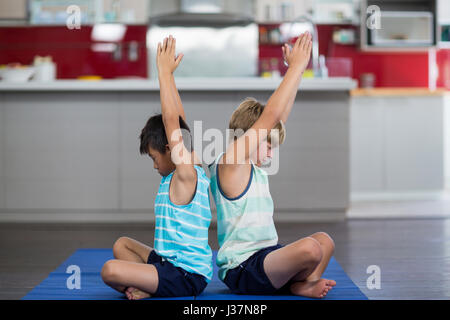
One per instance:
(413,255)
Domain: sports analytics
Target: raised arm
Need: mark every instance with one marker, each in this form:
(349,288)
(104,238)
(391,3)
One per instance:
(171,110)
(288,57)
(166,66)
(279,105)
(176,95)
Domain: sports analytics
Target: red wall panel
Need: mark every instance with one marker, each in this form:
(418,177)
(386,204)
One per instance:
(391,69)
(72,50)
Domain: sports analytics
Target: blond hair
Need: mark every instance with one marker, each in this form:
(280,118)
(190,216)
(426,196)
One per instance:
(246,115)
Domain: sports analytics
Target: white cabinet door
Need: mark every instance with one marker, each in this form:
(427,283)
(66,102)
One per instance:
(367,144)
(60,151)
(414,143)
(397,145)
(2,152)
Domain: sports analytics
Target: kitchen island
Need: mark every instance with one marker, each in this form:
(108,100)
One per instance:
(69,150)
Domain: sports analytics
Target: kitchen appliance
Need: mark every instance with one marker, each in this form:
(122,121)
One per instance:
(402,28)
(214,44)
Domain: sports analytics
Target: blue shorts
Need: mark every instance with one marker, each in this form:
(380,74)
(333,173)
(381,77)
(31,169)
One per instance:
(249,277)
(175,281)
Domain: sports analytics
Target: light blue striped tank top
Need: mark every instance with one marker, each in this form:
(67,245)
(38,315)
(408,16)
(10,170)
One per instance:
(245,223)
(181,231)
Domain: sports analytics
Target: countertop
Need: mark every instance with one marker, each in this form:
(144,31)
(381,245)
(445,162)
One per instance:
(183,84)
(386,92)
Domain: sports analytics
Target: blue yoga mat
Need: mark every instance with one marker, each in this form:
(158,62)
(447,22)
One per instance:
(90,262)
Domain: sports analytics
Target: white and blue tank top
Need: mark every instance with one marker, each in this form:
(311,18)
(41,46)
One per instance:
(245,223)
(181,231)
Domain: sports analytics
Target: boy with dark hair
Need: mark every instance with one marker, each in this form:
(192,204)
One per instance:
(180,264)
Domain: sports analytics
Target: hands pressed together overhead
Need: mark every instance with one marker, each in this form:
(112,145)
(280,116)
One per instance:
(166,60)
(300,53)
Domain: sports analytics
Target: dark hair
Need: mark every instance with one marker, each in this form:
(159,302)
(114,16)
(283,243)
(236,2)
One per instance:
(154,135)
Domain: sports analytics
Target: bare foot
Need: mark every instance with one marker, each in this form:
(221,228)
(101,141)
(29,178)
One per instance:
(136,294)
(312,289)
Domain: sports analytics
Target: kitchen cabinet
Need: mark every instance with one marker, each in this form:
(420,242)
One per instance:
(398,25)
(69,150)
(321,11)
(447,140)
(397,144)
(336,12)
(44,12)
(277,11)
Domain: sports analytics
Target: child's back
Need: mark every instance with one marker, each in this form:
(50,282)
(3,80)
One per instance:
(180,264)
(181,231)
(250,259)
(244,223)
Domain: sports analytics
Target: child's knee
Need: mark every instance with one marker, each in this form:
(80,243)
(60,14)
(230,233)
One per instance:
(119,245)
(109,271)
(325,239)
(311,251)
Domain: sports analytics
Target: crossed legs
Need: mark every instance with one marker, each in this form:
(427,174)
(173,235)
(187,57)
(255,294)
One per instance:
(303,263)
(129,272)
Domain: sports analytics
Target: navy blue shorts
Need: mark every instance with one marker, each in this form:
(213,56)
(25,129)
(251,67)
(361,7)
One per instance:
(175,281)
(249,277)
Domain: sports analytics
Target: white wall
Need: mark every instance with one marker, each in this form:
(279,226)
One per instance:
(160,7)
(443,11)
(139,8)
(239,7)
(447,140)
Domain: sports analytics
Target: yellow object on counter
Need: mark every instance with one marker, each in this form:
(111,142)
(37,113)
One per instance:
(90,78)
(309,73)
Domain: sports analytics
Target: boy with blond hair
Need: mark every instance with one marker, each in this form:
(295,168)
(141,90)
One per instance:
(250,259)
